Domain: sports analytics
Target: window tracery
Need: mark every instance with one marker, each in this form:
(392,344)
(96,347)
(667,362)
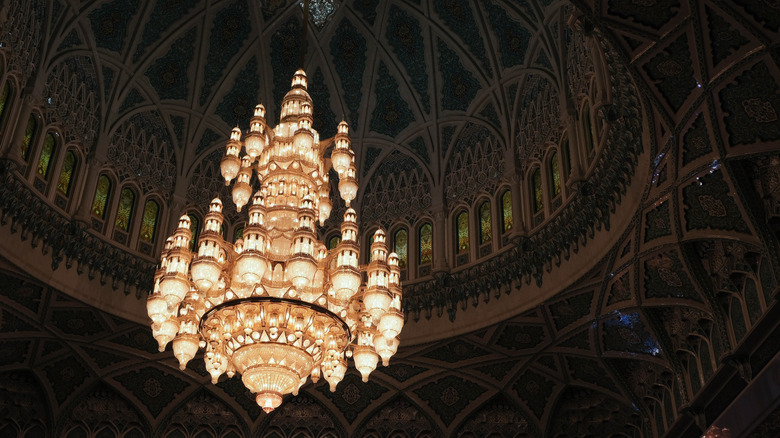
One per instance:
(142,150)
(507,219)
(462,232)
(72,102)
(398,189)
(401,246)
(475,165)
(425,243)
(23,32)
(29,136)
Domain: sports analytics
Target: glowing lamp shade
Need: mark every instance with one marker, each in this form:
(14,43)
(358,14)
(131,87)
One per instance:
(366,360)
(173,288)
(184,348)
(229,166)
(341,160)
(336,375)
(254,142)
(391,323)
(346,282)
(301,270)
(157,308)
(241,193)
(216,364)
(385,347)
(377,301)
(303,139)
(251,266)
(348,188)
(205,273)
(165,332)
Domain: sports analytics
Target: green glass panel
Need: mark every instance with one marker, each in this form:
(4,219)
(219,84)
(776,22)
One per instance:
(425,237)
(149,224)
(485,226)
(401,247)
(506,210)
(126,202)
(66,174)
(44,163)
(29,133)
(102,193)
(462,224)
(333,242)
(195,228)
(556,175)
(239,234)
(536,181)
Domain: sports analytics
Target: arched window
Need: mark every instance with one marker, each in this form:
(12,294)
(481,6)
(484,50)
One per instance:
(149,223)
(507,219)
(555,175)
(566,155)
(401,247)
(462,231)
(588,129)
(238,234)
(536,190)
(66,174)
(44,163)
(29,134)
(425,243)
(125,211)
(333,242)
(485,223)
(195,228)
(102,195)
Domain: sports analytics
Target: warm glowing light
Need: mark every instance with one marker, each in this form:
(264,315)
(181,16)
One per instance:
(275,306)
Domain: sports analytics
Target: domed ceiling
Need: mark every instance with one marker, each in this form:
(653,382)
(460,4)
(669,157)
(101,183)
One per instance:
(641,307)
(410,77)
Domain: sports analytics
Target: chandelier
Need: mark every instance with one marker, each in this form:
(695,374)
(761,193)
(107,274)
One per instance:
(276,306)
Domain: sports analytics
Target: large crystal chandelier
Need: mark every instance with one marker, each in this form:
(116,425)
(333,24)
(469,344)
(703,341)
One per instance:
(277,306)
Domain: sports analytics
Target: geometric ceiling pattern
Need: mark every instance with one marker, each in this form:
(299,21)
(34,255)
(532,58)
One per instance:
(658,337)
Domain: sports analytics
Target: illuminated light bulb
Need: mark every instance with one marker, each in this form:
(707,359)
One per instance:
(348,188)
(269,401)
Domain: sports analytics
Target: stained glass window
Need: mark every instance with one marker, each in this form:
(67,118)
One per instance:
(462,228)
(4,98)
(238,234)
(485,225)
(44,163)
(536,188)
(401,247)
(29,134)
(125,211)
(195,228)
(66,174)
(149,224)
(588,129)
(506,211)
(333,242)
(425,239)
(102,194)
(555,173)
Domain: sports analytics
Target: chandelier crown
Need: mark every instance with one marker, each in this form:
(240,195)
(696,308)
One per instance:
(276,306)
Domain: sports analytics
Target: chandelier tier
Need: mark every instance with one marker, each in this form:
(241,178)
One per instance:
(277,306)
